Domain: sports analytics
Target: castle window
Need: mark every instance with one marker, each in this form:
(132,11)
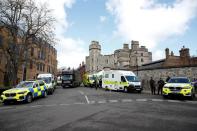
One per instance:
(107,61)
(141,54)
(142,60)
(32,51)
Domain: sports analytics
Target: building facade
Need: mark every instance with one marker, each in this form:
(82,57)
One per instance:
(182,65)
(41,59)
(126,58)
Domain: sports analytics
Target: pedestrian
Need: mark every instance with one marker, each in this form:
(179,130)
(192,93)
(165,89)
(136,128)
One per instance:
(160,85)
(152,86)
(100,82)
(168,78)
(96,83)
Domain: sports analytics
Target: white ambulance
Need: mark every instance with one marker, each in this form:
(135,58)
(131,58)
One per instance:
(121,80)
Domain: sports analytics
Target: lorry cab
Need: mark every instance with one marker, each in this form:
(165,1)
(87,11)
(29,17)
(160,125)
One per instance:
(121,80)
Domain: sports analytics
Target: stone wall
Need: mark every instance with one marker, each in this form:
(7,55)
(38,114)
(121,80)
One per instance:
(145,75)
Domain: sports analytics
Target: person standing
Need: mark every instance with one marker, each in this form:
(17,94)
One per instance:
(167,79)
(100,82)
(160,85)
(152,86)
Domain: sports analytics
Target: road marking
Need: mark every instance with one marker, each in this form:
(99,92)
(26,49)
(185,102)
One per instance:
(113,101)
(50,105)
(92,102)
(192,102)
(103,101)
(36,106)
(127,100)
(157,100)
(78,103)
(6,108)
(141,100)
(173,101)
(87,99)
(64,104)
(81,92)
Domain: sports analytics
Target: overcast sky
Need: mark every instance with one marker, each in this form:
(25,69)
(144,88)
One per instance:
(157,24)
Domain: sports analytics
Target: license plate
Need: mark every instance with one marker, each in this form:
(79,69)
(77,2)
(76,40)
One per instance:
(137,89)
(175,92)
(10,98)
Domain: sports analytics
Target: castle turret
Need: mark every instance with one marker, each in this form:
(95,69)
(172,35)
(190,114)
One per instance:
(184,52)
(94,53)
(126,46)
(167,51)
(94,48)
(134,45)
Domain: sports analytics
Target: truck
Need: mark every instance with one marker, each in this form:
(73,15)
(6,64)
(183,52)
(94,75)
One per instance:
(70,78)
(122,80)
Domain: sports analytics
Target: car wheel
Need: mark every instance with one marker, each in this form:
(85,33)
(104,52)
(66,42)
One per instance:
(165,97)
(29,98)
(125,89)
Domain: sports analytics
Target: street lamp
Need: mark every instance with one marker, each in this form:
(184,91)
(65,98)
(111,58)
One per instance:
(136,63)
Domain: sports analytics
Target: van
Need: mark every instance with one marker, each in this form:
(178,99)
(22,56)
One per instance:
(49,80)
(126,81)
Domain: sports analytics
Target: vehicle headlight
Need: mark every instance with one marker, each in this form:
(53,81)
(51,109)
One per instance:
(165,87)
(2,93)
(186,87)
(23,92)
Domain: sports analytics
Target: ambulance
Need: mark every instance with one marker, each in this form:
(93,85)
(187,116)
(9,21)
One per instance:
(121,80)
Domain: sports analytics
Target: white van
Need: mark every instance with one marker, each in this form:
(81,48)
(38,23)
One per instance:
(49,80)
(121,80)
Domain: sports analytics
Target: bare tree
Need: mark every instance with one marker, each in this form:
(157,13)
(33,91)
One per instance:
(26,23)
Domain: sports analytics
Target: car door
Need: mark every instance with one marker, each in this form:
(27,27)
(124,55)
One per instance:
(36,90)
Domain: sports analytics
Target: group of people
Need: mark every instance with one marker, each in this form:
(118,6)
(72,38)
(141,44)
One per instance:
(160,85)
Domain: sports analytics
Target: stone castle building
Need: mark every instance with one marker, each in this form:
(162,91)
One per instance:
(126,58)
(41,59)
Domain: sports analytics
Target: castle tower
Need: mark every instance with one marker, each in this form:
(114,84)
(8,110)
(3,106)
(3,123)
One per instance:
(184,52)
(134,45)
(167,52)
(94,56)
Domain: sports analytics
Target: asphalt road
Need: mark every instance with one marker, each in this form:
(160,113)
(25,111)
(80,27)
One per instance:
(88,109)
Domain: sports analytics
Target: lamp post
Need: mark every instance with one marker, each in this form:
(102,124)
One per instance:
(136,63)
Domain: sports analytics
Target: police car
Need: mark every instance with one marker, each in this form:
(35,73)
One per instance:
(25,91)
(179,86)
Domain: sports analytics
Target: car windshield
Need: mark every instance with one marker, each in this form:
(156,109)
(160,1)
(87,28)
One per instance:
(178,80)
(45,79)
(132,78)
(67,77)
(25,84)
(91,78)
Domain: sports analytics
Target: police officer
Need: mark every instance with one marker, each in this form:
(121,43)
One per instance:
(152,86)
(160,85)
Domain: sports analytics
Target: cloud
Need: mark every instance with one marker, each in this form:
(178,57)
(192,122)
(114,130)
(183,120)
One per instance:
(151,22)
(102,19)
(70,52)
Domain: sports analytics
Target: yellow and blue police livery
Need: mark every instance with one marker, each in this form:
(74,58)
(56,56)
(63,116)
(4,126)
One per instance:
(25,91)
(179,86)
